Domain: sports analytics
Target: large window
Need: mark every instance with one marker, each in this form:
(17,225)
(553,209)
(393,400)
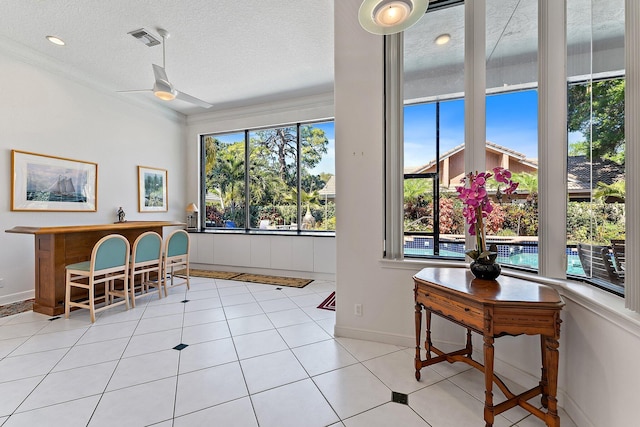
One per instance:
(284,175)
(433,135)
(434,144)
(596,148)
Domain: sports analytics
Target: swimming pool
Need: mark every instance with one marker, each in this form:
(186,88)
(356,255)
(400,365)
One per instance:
(527,260)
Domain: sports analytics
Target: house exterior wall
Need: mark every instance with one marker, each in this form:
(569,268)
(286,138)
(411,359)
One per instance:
(452,167)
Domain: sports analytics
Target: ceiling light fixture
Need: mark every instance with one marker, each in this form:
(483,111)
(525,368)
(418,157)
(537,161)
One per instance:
(56,40)
(164,95)
(390,16)
(443,39)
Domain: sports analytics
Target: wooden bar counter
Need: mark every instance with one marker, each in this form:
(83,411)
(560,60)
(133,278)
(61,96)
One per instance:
(57,247)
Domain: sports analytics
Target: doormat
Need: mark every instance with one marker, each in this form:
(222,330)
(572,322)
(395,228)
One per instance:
(207,273)
(247,277)
(329,303)
(16,307)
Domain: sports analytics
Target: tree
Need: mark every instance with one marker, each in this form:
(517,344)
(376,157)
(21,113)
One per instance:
(281,149)
(596,109)
(527,182)
(610,192)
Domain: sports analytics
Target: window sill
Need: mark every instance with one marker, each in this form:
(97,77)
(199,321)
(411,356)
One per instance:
(604,304)
(242,231)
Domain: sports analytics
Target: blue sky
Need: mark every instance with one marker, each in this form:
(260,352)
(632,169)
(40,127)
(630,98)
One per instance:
(512,121)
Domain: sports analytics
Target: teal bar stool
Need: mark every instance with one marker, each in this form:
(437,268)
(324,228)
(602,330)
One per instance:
(176,255)
(146,263)
(109,262)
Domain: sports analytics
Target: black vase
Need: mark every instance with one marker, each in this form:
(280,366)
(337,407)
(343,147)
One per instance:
(485,271)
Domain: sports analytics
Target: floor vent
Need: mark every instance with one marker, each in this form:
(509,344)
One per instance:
(400,397)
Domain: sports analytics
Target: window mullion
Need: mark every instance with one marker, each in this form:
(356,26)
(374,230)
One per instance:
(632,154)
(299,183)
(247,181)
(552,137)
(475,129)
(394,135)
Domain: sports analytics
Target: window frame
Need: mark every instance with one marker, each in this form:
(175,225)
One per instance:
(248,229)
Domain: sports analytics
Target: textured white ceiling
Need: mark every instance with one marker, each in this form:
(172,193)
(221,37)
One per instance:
(228,53)
(243,52)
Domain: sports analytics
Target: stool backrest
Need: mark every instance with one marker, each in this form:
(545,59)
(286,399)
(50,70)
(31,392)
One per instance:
(178,243)
(110,251)
(147,247)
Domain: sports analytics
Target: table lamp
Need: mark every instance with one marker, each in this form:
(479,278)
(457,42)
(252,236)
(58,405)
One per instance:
(192,216)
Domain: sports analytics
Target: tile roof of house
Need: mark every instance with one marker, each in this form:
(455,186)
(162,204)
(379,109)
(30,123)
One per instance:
(580,170)
(329,188)
(490,145)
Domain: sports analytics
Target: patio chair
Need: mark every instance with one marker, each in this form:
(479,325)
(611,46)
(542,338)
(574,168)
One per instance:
(597,263)
(617,246)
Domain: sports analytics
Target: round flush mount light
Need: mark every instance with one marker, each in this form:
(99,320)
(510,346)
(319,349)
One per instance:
(165,95)
(56,40)
(443,39)
(390,16)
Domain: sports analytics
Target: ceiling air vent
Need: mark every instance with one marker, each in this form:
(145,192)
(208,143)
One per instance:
(145,37)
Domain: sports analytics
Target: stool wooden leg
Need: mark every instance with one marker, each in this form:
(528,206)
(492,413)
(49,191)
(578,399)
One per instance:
(67,295)
(125,291)
(132,288)
(187,266)
(92,300)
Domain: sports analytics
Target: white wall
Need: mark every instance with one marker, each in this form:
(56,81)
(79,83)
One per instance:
(599,375)
(44,112)
(309,256)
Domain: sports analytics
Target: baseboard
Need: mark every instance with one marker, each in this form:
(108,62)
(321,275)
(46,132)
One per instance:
(17,297)
(369,335)
(381,337)
(576,414)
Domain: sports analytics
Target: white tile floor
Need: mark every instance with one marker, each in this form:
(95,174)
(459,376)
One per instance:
(255,356)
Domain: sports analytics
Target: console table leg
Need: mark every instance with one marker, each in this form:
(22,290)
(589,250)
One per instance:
(418,359)
(488,380)
(427,343)
(551,360)
(544,382)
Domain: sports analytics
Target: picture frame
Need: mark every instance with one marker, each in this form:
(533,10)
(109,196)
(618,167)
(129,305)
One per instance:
(41,182)
(152,189)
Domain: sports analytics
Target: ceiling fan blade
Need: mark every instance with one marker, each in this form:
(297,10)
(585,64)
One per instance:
(134,91)
(192,99)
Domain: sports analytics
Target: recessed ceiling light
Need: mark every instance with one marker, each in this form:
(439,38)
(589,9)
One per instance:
(56,40)
(443,39)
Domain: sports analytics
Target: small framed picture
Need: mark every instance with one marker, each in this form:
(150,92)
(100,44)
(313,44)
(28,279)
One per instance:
(152,189)
(48,183)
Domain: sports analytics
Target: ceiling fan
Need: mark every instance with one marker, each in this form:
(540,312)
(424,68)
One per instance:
(163,88)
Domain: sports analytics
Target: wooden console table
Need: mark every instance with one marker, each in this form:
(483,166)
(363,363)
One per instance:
(56,247)
(492,308)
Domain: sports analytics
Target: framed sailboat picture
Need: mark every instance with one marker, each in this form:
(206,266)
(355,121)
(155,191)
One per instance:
(152,189)
(48,183)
